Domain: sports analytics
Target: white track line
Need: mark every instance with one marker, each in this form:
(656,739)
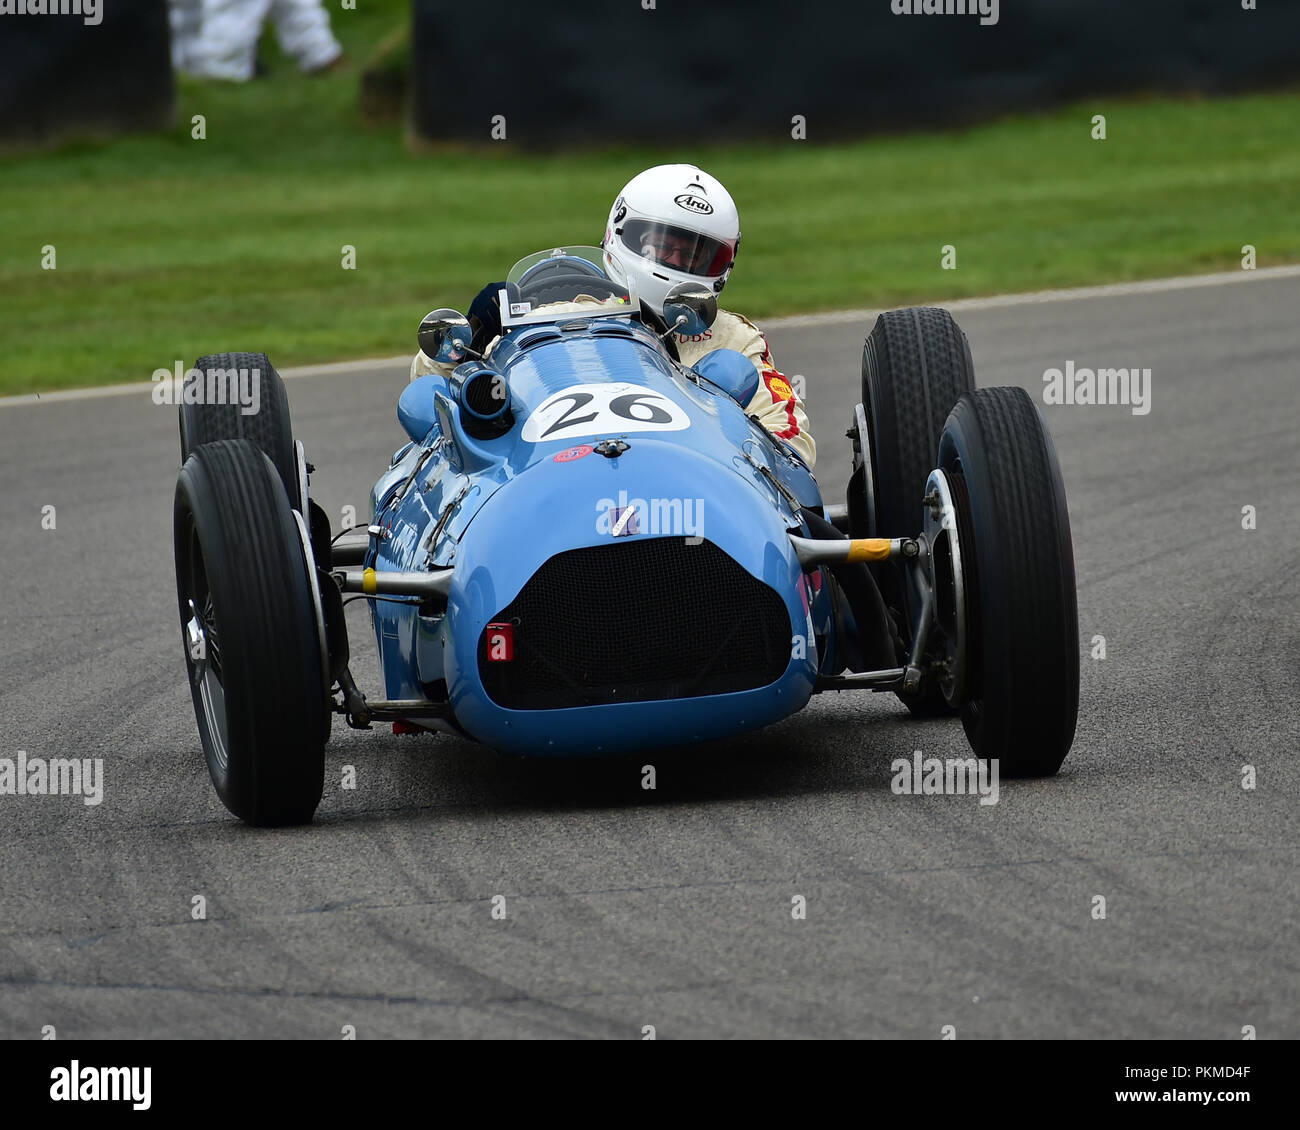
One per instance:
(829,318)
(142,388)
(1108,290)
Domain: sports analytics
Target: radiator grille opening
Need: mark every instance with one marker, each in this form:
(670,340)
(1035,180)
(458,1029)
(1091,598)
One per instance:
(651,618)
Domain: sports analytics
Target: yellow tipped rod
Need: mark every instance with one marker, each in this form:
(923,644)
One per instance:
(872,549)
(426,585)
(816,551)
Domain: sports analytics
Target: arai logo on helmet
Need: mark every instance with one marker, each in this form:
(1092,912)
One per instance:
(693,204)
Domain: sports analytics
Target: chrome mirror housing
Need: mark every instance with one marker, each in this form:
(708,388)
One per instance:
(445,336)
(690,308)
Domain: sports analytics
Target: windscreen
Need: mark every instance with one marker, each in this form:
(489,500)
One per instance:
(550,282)
(590,257)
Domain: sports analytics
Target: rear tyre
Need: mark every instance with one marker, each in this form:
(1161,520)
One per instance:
(916,364)
(1022,663)
(252,637)
(268,428)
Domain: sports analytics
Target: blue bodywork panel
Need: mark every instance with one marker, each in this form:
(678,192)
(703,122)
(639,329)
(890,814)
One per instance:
(497,507)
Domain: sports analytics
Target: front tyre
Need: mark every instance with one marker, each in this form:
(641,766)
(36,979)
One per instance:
(218,414)
(252,636)
(916,364)
(1022,656)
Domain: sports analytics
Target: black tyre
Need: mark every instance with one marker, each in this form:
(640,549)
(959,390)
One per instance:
(916,364)
(1022,662)
(253,644)
(268,428)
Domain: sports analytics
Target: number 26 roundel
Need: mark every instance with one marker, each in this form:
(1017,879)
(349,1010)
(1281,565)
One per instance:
(596,409)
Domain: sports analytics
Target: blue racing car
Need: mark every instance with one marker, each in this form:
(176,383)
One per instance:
(586,548)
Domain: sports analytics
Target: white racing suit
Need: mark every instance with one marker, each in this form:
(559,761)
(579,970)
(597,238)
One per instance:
(775,405)
(218,38)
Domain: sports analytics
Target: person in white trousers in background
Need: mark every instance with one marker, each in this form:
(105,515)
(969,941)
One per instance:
(185,16)
(218,38)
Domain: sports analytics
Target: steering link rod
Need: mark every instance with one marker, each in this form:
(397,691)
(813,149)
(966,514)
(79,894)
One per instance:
(813,552)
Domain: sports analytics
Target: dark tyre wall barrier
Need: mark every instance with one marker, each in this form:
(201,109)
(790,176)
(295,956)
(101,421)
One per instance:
(589,70)
(62,76)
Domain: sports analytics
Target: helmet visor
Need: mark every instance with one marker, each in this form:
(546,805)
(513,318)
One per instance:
(678,248)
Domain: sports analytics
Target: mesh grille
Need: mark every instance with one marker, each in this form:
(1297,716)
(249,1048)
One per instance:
(480,395)
(654,618)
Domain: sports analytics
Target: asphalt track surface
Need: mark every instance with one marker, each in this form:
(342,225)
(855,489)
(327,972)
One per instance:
(673,908)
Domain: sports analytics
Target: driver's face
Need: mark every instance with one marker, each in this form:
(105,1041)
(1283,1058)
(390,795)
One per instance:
(668,248)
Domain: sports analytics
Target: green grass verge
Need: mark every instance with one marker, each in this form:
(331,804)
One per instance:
(168,247)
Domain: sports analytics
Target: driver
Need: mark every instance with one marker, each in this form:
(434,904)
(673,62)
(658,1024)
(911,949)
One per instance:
(672,224)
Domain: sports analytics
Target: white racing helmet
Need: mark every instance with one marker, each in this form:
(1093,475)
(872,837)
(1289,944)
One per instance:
(672,224)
